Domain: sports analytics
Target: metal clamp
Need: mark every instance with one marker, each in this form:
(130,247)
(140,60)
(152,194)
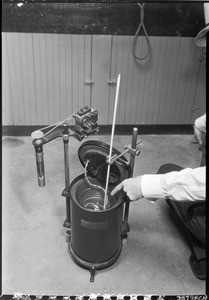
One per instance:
(65,192)
(112,82)
(134,152)
(128,148)
(90,82)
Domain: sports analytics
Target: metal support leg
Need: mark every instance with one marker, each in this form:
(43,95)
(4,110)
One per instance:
(67,180)
(132,160)
(92,272)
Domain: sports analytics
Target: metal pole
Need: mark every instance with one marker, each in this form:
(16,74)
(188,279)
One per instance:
(67,178)
(133,146)
(132,160)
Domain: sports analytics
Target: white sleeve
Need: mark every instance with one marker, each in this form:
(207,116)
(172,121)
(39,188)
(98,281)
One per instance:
(151,186)
(200,123)
(185,185)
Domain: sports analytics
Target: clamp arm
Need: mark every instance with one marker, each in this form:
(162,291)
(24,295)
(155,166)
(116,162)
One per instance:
(129,149)
(48,137)
(85,124)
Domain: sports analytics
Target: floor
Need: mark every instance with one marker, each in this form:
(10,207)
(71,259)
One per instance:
(35,256)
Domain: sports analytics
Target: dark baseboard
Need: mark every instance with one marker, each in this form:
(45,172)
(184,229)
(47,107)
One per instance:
(147,129)
(106,129)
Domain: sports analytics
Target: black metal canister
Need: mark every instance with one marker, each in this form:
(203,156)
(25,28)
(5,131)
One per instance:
(96,240)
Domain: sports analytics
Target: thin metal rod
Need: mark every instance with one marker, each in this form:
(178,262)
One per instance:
(111,141)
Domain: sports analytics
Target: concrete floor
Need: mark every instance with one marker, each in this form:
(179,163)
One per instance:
(35,256)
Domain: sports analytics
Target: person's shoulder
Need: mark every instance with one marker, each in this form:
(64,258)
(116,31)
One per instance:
(200,123)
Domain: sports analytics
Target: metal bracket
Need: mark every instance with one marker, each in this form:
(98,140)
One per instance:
(90,82)
(65,192)
(128,148)
(134,152)
(67,224)
(68,236)
(112,82)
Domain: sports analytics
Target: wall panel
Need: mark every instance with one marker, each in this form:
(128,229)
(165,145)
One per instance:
(7,107)
(199,99)
(46,78)
(101,57)
(160,89)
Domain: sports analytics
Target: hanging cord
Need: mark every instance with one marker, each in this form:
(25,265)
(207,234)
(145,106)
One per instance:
(97,206)
(39,133)
(141,25)
(94,186)
(57,124)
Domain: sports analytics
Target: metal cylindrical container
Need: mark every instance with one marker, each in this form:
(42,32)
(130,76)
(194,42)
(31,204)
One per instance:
(96,229)
(95,234)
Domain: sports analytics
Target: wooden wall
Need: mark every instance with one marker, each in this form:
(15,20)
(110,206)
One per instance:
(46,77)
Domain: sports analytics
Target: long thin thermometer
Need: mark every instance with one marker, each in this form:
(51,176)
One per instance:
(111,141)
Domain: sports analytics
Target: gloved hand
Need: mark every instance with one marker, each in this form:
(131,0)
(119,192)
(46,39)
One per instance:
(131,186)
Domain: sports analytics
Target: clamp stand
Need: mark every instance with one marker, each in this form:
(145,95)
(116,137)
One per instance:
(133,151)
(65,192)
(85,124)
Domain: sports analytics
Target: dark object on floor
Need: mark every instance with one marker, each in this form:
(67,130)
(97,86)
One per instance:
(198,266)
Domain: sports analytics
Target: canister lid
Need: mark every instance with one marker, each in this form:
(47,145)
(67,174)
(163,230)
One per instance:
(96,152)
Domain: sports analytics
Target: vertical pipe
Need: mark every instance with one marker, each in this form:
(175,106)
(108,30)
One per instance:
(67,177)
(40,165)
(133,146)
(132,160)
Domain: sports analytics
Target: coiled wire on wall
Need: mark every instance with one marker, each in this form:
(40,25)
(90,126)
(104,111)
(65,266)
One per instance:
(141,25)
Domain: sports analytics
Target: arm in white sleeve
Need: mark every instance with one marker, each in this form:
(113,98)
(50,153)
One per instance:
(200,123)
(185,185)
